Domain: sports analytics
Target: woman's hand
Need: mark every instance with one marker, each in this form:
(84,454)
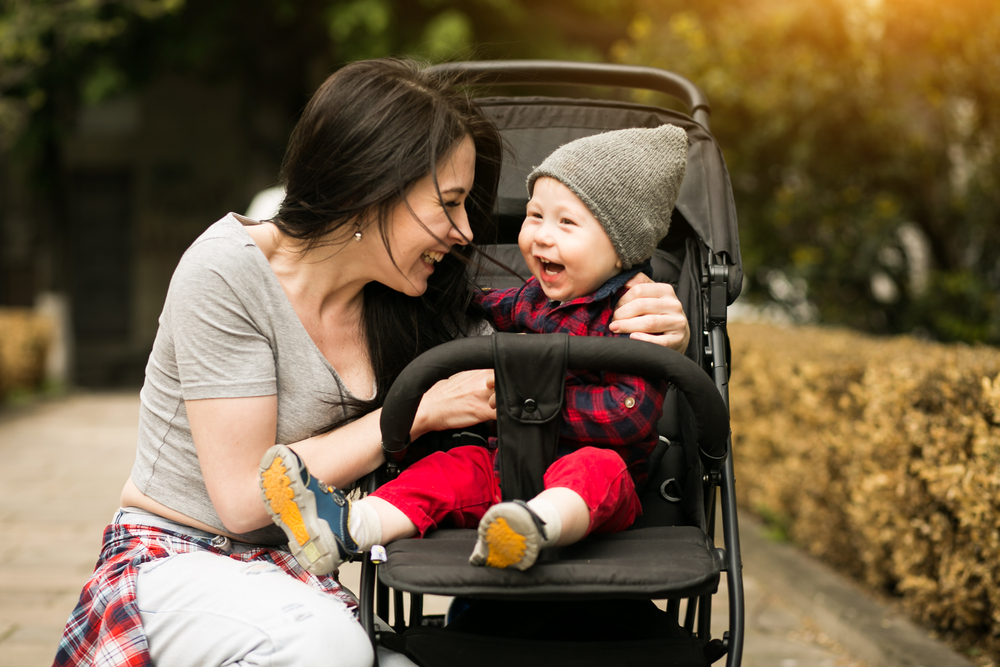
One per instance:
(464,399)
(652,312)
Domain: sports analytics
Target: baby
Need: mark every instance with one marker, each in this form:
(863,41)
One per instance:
(599,207)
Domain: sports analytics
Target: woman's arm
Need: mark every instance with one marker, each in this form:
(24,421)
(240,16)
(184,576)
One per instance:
(232,434)
(652,312)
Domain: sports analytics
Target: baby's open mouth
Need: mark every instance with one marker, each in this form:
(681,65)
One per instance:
(551,268)
(432,257)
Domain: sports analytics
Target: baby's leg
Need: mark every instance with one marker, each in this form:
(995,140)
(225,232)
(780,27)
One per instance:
(565,513)
(599,477)
(454,487)
(313,515)
(587,491)
(324,527)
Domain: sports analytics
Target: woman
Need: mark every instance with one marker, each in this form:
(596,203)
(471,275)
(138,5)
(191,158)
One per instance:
(282,330)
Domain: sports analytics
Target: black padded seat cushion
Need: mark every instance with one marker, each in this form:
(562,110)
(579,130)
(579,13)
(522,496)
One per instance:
(658,562)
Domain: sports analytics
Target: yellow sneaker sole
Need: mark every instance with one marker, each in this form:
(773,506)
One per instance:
(506,545)
(281,498)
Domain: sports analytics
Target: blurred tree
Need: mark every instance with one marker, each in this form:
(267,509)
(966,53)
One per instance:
(53,54)
(42,42)
(58,54)
(58,57)
(862,141)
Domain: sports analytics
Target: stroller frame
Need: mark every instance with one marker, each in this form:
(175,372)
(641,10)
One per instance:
(719,282)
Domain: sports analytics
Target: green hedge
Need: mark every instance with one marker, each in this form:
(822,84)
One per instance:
(881,457)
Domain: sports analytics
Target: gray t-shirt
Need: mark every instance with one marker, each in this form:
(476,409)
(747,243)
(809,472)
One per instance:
(227,330)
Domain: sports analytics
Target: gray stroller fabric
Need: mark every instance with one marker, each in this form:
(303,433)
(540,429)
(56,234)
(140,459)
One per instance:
(659,562)
(536,126)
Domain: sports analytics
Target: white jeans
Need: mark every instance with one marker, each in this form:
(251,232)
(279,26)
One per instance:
(204,609)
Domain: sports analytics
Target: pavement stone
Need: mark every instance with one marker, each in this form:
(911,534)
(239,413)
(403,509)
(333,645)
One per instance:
(67,459)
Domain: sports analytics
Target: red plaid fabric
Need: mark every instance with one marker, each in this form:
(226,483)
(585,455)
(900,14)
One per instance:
(105,629)
(608,410)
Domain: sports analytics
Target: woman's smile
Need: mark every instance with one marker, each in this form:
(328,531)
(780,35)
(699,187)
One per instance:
(431,257)
(432,215)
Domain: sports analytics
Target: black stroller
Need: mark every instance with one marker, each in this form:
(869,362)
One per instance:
(589,603)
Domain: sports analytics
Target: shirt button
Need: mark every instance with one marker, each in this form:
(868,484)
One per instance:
(629,402)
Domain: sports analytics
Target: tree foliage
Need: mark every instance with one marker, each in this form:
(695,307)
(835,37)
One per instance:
(861,135)
(58,54)
(44,44)
(862,140)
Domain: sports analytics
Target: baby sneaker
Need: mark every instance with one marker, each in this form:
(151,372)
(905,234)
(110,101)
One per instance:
(313,515)
(510,535)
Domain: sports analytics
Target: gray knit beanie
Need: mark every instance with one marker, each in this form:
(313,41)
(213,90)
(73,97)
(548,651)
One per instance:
(629,179)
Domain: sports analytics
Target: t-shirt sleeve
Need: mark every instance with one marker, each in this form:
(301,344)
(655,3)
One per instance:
(213,313)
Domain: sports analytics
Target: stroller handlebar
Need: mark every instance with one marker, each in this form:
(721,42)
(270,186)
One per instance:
(549,72)
(590,353)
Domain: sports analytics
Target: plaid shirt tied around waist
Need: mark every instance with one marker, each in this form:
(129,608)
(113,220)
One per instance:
(608,410)
(105,629)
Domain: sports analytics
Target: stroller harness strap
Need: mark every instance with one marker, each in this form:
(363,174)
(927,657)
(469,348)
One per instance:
(530,386)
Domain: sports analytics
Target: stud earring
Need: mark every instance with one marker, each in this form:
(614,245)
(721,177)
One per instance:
(357,236)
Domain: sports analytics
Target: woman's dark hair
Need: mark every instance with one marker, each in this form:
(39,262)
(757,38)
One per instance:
(369,133)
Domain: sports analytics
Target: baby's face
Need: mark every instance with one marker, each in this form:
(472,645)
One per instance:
(566,248)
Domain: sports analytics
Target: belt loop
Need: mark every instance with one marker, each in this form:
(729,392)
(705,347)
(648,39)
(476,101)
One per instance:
(222,543)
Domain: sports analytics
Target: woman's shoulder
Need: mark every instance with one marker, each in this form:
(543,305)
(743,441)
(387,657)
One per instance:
(224,254)
(226,235)
(223,248)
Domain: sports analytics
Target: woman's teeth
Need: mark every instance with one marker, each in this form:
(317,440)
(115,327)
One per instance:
(432,257)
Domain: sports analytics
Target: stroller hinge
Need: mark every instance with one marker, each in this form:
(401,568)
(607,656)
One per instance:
(718,285)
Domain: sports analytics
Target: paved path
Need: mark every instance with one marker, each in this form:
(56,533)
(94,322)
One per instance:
(65,462)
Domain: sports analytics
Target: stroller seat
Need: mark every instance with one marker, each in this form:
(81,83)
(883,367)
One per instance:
(650,562)
(671,552)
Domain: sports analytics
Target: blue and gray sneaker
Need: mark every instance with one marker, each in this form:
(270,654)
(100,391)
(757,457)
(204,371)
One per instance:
(312,514)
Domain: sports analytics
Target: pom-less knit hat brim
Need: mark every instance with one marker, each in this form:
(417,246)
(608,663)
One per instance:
(629,179)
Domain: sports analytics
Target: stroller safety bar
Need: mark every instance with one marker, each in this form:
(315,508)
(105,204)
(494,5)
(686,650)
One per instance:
(588,353)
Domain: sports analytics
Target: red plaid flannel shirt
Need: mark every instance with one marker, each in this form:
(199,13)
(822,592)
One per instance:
(105,629)
(597,411)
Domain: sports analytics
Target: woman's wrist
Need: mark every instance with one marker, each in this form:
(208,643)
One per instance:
(419,426)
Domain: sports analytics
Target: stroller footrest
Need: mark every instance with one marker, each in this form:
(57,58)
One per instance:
(659,562)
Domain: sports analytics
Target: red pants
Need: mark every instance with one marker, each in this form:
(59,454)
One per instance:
(458,486)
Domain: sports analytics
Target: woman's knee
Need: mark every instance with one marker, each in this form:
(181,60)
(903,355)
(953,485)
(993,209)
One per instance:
(330,640)
(203,608)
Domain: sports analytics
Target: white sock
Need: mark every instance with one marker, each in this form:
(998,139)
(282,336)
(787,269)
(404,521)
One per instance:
(364,525)
(548,513)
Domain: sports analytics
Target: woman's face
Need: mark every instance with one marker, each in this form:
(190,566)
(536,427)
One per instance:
(420,233)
